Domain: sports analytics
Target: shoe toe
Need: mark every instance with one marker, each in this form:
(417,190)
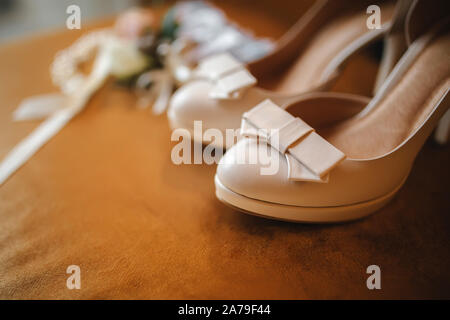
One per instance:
(253,170)
(192,102)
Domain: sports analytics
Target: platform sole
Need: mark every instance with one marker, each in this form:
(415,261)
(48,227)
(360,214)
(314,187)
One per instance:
(299,214)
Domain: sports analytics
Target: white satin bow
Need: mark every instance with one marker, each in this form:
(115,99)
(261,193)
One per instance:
(310,157)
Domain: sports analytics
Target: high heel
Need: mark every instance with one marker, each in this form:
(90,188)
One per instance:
(223,88)
(349,169)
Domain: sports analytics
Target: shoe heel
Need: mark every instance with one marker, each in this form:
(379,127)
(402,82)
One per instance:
(442,133)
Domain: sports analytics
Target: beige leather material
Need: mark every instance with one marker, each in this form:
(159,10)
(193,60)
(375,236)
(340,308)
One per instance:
(322,15)
(192,102)
(232,86)
(395,43)
(343,34)
(309,156)
(229,76)
(408,24)
(317,154)
(213,68)
(381,144)
(290,133)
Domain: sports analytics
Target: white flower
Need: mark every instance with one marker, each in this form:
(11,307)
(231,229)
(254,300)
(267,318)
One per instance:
(124,57)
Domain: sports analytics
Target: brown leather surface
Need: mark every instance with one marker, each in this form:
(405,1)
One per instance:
(104,195)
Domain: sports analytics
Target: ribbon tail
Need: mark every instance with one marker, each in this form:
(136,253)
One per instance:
(299,172)
(39,107)
(31,144)
(22,152)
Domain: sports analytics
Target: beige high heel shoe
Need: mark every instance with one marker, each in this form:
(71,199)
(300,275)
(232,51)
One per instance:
(315,50)
(349,169)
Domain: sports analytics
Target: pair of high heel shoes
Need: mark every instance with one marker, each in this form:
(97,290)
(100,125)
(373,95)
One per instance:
(338,156)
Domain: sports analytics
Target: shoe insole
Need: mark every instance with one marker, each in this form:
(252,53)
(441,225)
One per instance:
(332,38)
(401,111)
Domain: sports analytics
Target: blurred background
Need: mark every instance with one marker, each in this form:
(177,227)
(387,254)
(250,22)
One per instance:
(21,17)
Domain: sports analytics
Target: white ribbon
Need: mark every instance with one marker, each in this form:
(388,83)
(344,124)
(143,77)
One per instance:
(111,60)
(40,107)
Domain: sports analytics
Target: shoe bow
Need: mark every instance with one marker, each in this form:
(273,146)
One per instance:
(230,77)
(310,157)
